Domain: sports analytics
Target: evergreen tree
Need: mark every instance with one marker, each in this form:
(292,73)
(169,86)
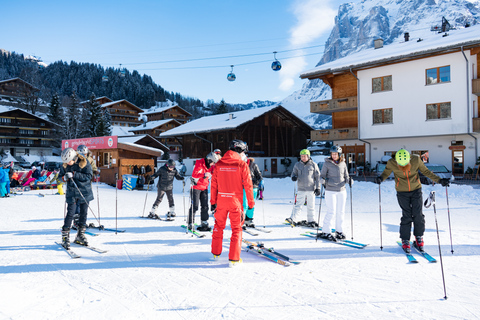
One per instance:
(72,126)
(91,118)
(104,127)
(56,115)
(222,107)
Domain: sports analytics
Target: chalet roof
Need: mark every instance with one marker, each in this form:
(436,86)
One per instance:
(431,44)
(4,109)
(137,141)
(152,125)
(109,104)
(18,79)
(161,109)
(228,121)
(96,99)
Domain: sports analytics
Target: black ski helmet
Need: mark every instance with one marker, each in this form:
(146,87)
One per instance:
(336,149)
(171,163)
(238,146)
(82,149)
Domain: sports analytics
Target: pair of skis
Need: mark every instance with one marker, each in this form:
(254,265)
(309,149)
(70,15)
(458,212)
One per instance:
(250,230)
(73,255)
(159,218)
(269,253)
(412,259)
(347,243)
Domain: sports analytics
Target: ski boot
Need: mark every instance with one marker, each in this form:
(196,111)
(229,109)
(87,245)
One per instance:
(234,263)
(249,222)
(327,236)
(81,239)
(171,214)
(312,224)
(153,214)
(406,246)
(66,238)
(290,220)
(418,243)
(340,235)
(216,257)
(204,227)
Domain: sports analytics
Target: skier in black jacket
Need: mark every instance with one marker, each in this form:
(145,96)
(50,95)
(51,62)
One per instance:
(165,176)
(77,172)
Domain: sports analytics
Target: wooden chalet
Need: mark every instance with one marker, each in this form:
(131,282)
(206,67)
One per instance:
(269,132)
(168,110)
(123,113)
(16,91)
(100,100)
(24,133)
(155,128)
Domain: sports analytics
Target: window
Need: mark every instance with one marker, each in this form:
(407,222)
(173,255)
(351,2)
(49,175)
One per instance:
(438,75)
(423,154)
(439,111)
(382,84)
(383,116)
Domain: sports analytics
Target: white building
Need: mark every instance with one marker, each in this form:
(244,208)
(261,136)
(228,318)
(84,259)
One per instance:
(418,95)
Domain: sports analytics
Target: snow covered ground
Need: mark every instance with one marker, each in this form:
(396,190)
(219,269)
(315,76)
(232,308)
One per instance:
(156,271)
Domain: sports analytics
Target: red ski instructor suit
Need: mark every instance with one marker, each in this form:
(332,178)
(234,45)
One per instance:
(230,177)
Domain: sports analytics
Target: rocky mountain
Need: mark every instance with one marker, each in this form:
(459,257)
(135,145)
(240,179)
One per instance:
(358,24)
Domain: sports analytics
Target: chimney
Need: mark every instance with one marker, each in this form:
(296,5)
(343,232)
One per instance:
(230,116)
(407,36)
(378,43)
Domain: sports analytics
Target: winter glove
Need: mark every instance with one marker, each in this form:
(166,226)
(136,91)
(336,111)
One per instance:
(213,207)
(193,181)
(208,175)
(317,192)
(378,180)
(350,181)
(69,175)
(181,178)
(445,182)
(294,178)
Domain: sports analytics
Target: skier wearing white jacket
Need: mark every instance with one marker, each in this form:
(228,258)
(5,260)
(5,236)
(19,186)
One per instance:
(334,176)
(307,175)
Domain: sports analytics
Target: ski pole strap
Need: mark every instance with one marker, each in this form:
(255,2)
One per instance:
(430,200)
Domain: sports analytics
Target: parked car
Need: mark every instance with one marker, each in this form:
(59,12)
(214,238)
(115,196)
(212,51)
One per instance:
(379,169)
(52,165)
(24,164)
(439,169)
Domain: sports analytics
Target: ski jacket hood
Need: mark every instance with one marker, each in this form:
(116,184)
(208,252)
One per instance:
(230,178)
(335,175)
(407,178)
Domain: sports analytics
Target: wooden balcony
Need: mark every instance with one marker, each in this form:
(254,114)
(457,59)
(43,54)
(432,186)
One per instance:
(334,105)
(334,134)
(476,87)
(476,124)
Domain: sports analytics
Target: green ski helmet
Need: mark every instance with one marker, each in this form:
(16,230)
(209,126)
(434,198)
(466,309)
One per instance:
(403,157)
(305,151)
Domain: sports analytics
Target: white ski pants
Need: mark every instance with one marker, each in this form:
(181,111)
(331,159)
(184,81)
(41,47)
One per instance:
(335,207)
(301,197)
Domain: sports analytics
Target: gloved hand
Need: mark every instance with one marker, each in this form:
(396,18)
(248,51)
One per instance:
(193,181)
(378,180)
(208,175)
(181,178)
(350,181)
(445,182)
(213,207)
(294,178)
(317,192)
(69,175)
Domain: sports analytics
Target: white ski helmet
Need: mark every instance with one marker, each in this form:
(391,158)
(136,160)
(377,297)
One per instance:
(68,155)
(82,149)
(212,156)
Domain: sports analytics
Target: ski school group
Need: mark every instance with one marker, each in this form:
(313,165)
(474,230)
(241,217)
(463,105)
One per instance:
(235,181)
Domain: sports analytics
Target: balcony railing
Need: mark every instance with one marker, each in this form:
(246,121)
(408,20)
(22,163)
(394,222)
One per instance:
(476,124)
(334,105)
(29,135)
(476,87)
(335,134)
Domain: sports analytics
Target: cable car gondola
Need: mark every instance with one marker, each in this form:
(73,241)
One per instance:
(276,65)
(231,76)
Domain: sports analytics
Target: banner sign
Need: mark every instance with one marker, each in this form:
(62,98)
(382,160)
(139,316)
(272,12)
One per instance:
(108,142)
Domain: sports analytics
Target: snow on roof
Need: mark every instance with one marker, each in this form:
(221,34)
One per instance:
(121,131)
(142,147)
(433,43)
(161,106)
(131,139)
(152,124)
(222,121)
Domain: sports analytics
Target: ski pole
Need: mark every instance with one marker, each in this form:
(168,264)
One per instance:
(146,195)
(449,224)
(380,210)
(432,201)
(351,208)
(116,201)
(98,204)
(84,198)
(263,212)
(319,210)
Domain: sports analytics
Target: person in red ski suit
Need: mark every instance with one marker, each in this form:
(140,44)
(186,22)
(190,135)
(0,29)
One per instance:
(230,178)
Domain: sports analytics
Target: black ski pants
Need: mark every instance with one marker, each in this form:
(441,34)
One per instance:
(71,209)
(196,197)
(411,204)
(160,194)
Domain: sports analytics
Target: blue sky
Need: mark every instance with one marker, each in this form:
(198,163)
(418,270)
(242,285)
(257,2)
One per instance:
(152,36)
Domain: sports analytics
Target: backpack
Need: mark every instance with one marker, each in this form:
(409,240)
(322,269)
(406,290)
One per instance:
(136,170)
(148,169)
